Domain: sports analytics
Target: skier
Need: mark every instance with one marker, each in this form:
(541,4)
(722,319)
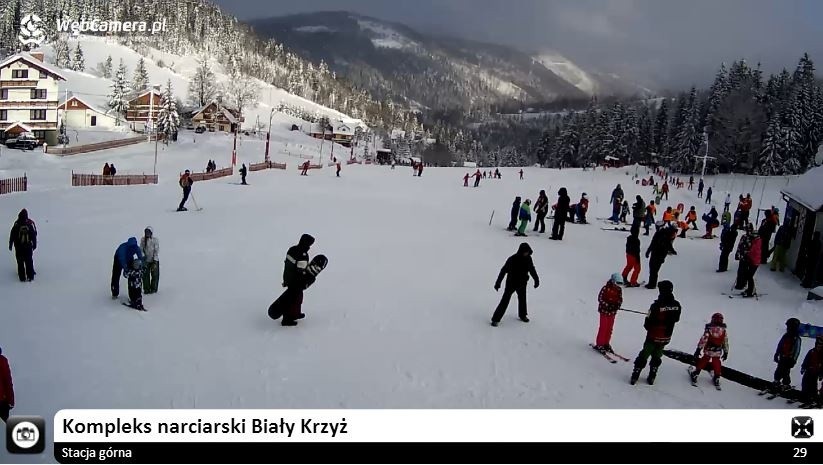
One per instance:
(648,221)
(123,258)
(106,170)
(727,239)
(525,218)
(767,228)
(700,187)
(691,184)
(420,169)
(709,196)
(727,202)
(812,371)
(514,213)
(244,172)
(638,211)
(477,178)
(632,259)
(6,388)
(668,216)
(748,254)
(134,277)
(659,248)
(484,174)
(185,182)
(782,242)
(581,209)
(339,167)
(23,237)
(615,201)
(497,174)
(786,355)
(295,265)
(517,269)
(521,174)
(812,259)
(714,346)
(560,213)
(541,207)
(664,313)
(691,218)
(305,171)
(665,190)
(624,211)
(466,180)
(609,301)
(150,246)
(112,169)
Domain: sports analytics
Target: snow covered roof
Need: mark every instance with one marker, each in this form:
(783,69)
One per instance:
(807,189)
(19,125)
(62,100)
(344,130)
(33,62)
(227,112)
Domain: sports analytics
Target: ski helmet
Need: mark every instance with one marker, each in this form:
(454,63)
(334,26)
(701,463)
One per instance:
(617,278)
(793,324)
(717,318)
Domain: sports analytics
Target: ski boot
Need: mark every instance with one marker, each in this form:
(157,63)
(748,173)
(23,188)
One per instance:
(635,376)
(693,375)
(495,323)
(652,376)
(716,381)
(524,319)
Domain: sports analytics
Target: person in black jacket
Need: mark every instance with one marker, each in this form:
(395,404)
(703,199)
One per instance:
(727,240)
(812,259)
(659,249)
(515,213)
(23,237)
(517,269)
(632,259)
(244,172)
(541,207)
(638,213)
(663,315)
(294,268)
(561,212)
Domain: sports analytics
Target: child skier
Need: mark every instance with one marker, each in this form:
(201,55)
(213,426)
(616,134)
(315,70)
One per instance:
(525,218)
(663,315)
(714,345)
(648,221)
(134,275)
(812,371)
(788,350)
(624,211)
(609,300)
(632,259)
(691,218)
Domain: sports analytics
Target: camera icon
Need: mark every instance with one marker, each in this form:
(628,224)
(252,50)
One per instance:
(25,435)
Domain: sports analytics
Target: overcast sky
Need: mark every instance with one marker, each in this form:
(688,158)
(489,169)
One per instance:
(669,42)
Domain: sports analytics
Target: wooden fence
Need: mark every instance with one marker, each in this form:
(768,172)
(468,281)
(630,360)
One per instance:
(266,165)
(353,162)
(82,180)
(109,144)
(311,167)
(10,185)
(221,173)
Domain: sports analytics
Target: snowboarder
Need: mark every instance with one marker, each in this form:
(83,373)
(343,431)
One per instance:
(714,347)
(515,211)
(541,207)
(727,239)
(786,354)
(659,248)
(23,237)
(243,172)
(185,182)
(123,258)
(638,211)
(748,254)
(134,277)
(609,301)
(812,371)
(711,222)
(339,167)
(664,313)
(516,270)
(709,196)
(525,217)
(295,266)
(632,259)
(305,171)
(812,259)
(521,174)
(691,218)
(782,242)
(560,213)
(466,180)
(106,170)
(150,246)
(477,176)
(700,187)
(624,211)
(6,388)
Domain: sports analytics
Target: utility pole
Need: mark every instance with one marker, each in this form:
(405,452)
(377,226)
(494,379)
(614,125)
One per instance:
(706,154)
(268,136)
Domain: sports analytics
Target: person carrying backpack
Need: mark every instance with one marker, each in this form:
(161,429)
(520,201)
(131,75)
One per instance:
(23,238)
(185,182)
(244,171)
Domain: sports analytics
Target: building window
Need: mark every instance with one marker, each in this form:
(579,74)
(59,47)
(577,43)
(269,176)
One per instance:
(38,115)
(94,121)
(38,94)
(4,94)
(4,115)
(39,134)
(43,75)
(74,103)
(19,74)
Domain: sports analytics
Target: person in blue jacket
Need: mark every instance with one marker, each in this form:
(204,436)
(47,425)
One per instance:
(123,258)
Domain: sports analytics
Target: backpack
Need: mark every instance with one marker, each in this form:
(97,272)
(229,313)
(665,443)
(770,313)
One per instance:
(25,234)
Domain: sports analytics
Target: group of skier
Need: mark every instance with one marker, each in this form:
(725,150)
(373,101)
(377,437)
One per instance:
(563,211)
(139,263)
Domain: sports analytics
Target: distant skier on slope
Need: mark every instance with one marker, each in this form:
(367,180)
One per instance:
(521,174)
(714,347)
(515,211)
(609,301)
(516,270)
(786,354)
(466,180)
(185,183)
(709,195)
(305,171)
(560,213)
(648,220)
(477,177)
(700,189)
(663,315)
(243,172)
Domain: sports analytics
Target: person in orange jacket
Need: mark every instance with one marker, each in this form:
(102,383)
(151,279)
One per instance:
(6,388)
(691,218)
(668,215)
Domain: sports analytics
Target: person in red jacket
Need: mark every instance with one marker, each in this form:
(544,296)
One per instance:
(665,190)
(6,388)
(305,171)
(477,176)
(466,180)
(714,346)
(609,300)
(812,371)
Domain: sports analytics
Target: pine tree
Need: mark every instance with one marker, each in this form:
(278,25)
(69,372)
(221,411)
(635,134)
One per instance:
(79,63)
(771,158)
(168,121)
(689,137)
(118,101)
(141,76)
(106,68)
(202,88)
(661,128)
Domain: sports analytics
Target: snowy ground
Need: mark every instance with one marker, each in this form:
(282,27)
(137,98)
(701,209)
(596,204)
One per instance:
(399,319)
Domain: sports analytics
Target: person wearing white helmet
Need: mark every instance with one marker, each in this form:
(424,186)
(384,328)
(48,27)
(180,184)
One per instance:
(713,348)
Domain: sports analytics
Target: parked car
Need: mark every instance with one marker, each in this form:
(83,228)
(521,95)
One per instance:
(200,129)
(22,142)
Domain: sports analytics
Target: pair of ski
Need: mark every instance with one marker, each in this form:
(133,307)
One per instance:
(612,357)
(756,296)
(690,370)
(783,391)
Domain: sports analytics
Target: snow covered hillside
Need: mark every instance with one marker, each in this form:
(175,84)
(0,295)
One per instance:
(569,71)
(399,319)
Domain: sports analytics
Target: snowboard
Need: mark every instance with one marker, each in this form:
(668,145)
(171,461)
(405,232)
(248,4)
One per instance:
(808,330)
(279,306)
(616,229)
(128,304)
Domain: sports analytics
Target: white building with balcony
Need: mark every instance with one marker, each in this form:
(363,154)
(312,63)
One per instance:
(28,97)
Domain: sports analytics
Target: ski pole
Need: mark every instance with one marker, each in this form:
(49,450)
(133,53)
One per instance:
(633,311)
(194,201)
(492,217)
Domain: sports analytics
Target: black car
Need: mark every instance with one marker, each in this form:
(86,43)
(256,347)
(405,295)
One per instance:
(23,142)
(200,129)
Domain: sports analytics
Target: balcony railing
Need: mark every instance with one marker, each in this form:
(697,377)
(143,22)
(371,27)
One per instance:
(29,104)
(19,83)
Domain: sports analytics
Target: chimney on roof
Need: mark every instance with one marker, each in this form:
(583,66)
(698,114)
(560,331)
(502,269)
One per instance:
(37,56)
